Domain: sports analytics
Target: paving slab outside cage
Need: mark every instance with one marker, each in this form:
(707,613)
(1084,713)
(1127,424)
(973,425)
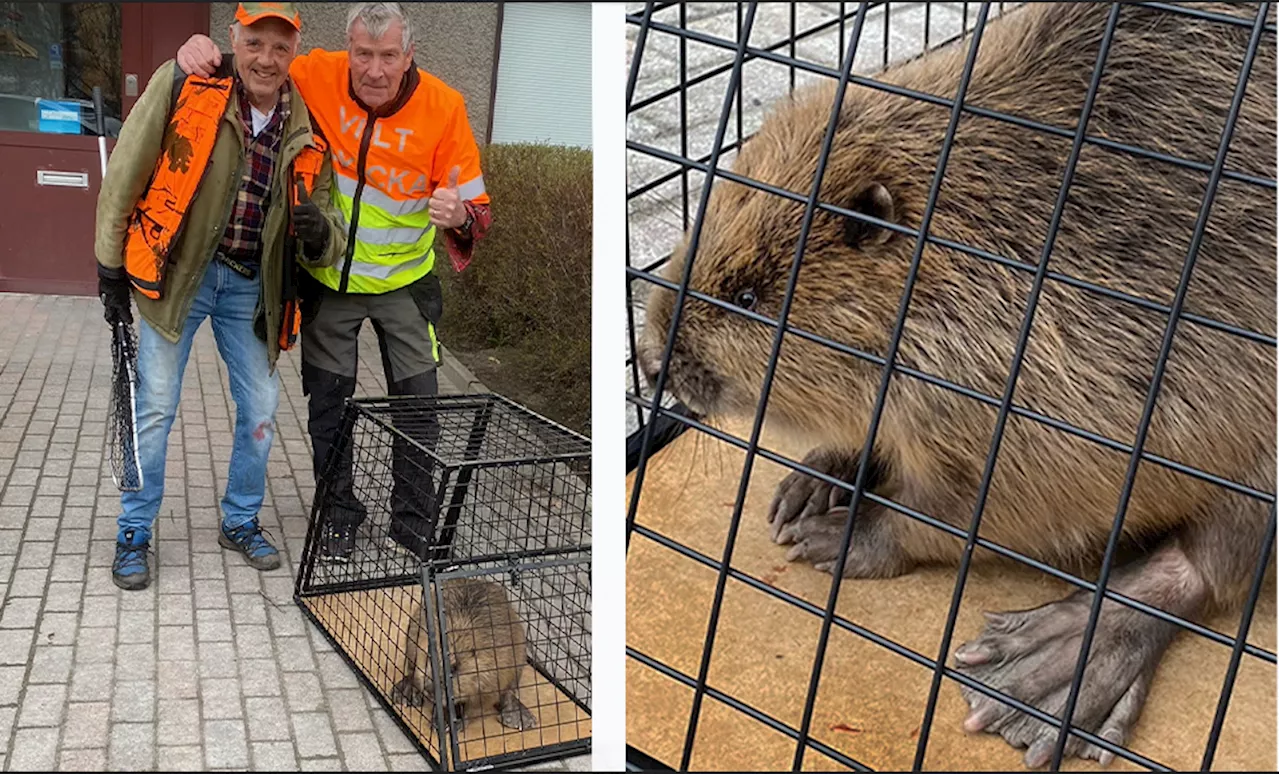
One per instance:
(450,536)
(739,658)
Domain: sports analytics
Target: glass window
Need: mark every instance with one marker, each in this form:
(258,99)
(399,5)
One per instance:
(51,57)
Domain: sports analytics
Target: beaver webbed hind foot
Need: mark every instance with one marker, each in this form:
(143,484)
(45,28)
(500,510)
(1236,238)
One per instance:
(409,692)
(1031,655)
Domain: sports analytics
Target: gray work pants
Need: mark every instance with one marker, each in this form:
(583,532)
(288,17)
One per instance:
(404,321)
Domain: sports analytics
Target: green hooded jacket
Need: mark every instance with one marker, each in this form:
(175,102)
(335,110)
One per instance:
(130,170)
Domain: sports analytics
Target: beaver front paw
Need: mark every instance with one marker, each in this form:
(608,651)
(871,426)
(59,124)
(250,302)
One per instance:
(516,716)
(873,550)
(1031,655)
(800,495)
(409,692)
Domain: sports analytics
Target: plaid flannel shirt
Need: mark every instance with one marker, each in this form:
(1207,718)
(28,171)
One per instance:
(242,240)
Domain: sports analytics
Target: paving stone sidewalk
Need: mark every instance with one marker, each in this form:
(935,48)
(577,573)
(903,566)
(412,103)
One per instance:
(211,667)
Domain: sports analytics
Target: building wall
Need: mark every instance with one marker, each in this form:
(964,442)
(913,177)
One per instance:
(544,76)
(452,41)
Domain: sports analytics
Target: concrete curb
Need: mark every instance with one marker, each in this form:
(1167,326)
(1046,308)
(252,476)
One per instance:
(455,373)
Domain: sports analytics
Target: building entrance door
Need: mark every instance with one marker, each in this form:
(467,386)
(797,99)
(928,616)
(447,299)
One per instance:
(51,57)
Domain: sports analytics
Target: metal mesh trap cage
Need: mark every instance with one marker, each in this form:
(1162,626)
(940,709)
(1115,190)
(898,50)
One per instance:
(450,536)
(736,659)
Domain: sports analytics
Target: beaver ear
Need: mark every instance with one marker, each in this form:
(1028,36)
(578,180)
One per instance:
(876,201)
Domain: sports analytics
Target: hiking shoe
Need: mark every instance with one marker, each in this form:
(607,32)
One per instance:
(337,542)
(342,514)
(248,540)
(404,538)
(130,570)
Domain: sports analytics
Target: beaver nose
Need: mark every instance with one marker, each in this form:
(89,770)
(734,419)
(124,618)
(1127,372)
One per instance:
(649,364)
(651,361)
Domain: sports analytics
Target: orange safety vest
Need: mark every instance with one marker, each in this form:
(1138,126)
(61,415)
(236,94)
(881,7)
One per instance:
(157,220)
(385,168)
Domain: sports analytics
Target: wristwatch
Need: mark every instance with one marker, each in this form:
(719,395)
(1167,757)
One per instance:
(466,224)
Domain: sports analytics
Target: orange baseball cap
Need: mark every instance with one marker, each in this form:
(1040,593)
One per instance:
(248,13)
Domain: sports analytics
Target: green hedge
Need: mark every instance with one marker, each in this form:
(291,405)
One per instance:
(527,292)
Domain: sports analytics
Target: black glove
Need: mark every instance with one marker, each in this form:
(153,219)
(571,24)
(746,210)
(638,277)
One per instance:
(113,289)
(309,223)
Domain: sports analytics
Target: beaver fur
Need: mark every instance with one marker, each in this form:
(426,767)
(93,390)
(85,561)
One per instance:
(1127,226)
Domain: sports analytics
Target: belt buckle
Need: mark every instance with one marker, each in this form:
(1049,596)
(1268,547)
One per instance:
(234,265)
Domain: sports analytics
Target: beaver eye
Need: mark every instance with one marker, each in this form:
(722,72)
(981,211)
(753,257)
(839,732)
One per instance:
(746,299)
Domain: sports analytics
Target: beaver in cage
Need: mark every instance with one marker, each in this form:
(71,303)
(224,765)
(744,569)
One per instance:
(486,650)
(1127,226)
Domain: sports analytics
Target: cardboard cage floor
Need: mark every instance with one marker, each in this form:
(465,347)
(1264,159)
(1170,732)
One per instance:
(871,701)
(355,618)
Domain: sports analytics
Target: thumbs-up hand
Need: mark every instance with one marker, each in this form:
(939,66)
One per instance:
(446,204)
(308,222)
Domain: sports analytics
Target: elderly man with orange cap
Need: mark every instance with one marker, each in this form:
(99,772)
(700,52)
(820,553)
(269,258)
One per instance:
(216,191)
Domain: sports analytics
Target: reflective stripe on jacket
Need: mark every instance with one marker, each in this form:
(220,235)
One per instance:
(386,166)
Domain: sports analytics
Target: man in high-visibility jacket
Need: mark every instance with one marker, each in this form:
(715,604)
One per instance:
(407,181)
(203,212)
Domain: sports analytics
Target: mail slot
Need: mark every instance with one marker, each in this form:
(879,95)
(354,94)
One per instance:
(62,179)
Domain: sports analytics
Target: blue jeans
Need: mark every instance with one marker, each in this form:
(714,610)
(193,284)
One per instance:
(230,300)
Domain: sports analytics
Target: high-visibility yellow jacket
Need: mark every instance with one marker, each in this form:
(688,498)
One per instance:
(385,167)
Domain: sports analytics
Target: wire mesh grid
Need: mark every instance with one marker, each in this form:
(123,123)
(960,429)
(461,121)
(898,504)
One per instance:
(733,61)
(551,601)
(448,480)
(122,425)
(487,503)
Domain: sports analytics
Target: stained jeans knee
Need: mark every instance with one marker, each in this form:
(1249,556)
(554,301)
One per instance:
(258,404)
(255,389)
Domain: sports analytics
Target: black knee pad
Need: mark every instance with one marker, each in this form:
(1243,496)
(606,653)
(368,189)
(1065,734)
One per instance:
(425,383)
(327,392)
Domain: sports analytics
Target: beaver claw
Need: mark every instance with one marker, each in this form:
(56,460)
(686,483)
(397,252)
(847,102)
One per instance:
(513,714)
(408,692)
(873,550)
(801,496)
(1031,655)
(815,539)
